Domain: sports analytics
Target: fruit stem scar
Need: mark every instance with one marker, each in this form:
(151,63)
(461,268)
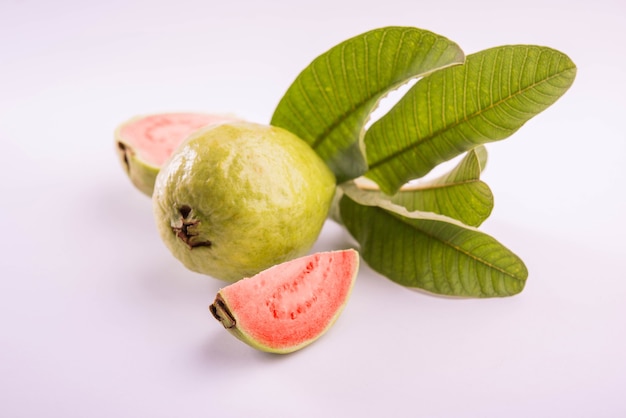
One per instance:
(184,211)
(124,151)
(182,230)
(221,313)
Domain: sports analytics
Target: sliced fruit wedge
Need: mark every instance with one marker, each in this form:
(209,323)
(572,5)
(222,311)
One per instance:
(288,306)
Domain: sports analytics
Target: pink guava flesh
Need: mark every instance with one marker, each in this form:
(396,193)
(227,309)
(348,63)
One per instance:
(294,302)
(155,137)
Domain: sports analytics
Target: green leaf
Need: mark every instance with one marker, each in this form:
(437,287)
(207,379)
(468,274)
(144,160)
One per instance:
(330,101)
(429,251)
(459,194)
(486,99)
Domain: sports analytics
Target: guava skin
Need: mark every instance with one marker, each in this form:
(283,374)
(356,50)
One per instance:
(141,174)
(237,198)
(144,142)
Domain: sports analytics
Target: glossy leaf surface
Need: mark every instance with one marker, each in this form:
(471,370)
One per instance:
(330,101)
(459,194)
(455,109)
(430,252)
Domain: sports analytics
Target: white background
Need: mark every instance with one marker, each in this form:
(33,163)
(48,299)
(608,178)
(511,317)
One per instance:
(97,319)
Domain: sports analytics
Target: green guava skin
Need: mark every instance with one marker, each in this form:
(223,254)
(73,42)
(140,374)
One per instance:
(142,174)
(237,198)
(141,170)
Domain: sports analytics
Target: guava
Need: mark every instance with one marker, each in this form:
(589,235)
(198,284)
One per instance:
(290,305)
(238,197)
(143,143)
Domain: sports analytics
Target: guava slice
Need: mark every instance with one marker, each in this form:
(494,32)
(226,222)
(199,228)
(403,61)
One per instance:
(239,197)
(145,142)
(290,305)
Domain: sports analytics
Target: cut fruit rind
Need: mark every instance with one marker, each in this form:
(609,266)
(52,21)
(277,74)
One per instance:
(140,173)
(288,306)
(144,143)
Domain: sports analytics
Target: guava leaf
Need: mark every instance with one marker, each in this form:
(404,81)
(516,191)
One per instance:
(330,101)
(487,98)
(459,194)
(429,251)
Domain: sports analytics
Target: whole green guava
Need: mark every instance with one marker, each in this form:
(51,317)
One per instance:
(237,198)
